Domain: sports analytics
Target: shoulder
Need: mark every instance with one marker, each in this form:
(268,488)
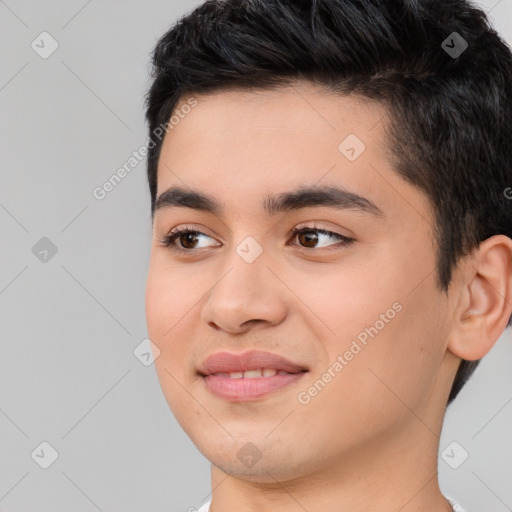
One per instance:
(456,507)
(206,506)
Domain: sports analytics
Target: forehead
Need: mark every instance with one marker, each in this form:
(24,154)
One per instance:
(301,110)
(243,145)
(270,126)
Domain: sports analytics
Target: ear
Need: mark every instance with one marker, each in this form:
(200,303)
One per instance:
(485,301)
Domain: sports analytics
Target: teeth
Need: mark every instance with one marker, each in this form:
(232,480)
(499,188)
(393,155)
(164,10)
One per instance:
(252,374)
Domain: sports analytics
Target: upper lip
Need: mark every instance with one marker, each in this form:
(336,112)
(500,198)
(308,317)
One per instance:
(227,362)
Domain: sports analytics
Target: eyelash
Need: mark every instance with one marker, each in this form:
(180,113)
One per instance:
(169,240)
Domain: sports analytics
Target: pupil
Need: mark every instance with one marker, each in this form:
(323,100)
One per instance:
(188,237)
(312,238)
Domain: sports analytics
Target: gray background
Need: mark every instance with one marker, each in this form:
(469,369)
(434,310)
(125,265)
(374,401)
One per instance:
(70,325)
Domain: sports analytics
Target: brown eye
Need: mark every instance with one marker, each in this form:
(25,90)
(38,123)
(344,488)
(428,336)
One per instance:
(309,237)
(188,240)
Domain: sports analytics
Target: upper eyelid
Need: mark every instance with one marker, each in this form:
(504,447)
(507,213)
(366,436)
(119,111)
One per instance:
(299,227)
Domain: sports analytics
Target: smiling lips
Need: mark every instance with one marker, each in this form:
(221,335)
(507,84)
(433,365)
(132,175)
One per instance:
(248,375)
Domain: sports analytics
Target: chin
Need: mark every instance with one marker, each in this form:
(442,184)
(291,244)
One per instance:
(265,469)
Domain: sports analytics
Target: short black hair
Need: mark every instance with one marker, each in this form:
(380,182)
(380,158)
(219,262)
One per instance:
(450,113)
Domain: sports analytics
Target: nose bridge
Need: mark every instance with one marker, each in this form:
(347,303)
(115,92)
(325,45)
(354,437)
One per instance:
(245,276)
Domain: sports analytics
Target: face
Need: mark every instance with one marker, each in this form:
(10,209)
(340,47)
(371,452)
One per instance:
(351,296)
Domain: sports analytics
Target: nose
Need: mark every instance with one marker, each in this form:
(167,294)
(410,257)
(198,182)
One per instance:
(247,295)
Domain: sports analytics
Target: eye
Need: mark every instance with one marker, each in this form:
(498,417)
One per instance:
(187,237)
(310,236)
(313,235)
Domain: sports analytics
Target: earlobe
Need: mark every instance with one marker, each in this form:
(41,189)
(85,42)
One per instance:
(486,304)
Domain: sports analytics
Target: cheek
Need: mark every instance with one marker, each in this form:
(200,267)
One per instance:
(170,299)
(163,329)
(401,358)
(172,310)
(156,307)
(163,313)
(350,295)
(396,323)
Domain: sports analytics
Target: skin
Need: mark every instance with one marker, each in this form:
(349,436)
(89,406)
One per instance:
(369,440)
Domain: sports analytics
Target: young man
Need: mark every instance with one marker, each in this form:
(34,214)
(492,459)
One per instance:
(332,241)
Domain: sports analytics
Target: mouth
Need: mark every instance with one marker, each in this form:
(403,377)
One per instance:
(249,375)
(249,364)
(257,373)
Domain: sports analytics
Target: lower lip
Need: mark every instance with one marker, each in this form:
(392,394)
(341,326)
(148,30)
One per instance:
(237,390)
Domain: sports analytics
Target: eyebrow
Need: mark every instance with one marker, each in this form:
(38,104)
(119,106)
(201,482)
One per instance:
(304,197)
